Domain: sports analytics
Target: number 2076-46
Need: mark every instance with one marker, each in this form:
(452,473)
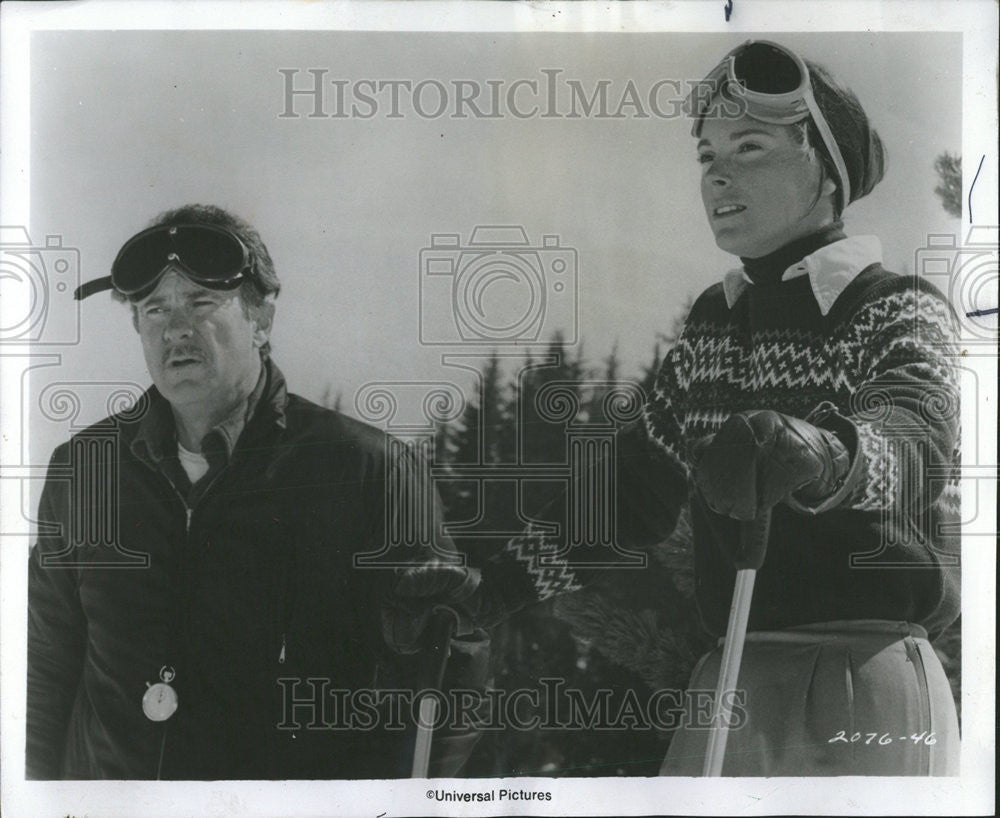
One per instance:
(885,738)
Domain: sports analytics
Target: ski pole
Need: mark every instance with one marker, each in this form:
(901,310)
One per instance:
(753,547)
(444,622)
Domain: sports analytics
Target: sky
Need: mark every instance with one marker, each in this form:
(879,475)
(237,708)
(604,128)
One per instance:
(128,124)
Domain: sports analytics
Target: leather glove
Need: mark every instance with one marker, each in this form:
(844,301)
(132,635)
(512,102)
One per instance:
(416,592)
(759,458)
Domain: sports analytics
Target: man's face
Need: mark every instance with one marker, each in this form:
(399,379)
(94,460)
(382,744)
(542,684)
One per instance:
(200,347)
(759,186)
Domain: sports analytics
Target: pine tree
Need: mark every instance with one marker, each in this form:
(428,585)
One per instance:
(948,167)
(604,379)
(549,397)
(476,442)
(535,643)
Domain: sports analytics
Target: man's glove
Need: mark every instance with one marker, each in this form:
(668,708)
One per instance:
(416,592)
(759,458)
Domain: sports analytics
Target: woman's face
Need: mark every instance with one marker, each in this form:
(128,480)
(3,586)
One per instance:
(760,186)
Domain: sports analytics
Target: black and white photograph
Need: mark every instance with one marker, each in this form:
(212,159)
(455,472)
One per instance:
(498,408)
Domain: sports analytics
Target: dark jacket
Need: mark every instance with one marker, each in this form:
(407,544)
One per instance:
(246,595)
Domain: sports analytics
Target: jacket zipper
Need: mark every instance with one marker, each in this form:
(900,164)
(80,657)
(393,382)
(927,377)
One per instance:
(187,537)
(188,514)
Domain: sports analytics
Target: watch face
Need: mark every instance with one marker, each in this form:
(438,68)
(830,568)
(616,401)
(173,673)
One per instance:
(159,702)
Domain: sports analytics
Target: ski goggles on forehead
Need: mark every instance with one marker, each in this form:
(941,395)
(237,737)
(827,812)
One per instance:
(208,255)
(771,84)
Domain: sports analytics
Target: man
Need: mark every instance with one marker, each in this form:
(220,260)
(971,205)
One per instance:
(219,656)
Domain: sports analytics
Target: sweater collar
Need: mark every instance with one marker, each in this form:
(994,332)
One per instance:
(830,269)
(156,436)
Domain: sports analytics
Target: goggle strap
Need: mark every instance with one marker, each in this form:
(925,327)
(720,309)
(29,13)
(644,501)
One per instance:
(101,284)
(831,146)
(93,287)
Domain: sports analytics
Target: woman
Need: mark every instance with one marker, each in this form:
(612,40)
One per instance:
(815,385)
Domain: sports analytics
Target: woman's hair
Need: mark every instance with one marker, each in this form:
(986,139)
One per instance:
(254,290)
(859,143)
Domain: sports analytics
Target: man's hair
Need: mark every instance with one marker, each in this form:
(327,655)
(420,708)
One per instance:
(255,290)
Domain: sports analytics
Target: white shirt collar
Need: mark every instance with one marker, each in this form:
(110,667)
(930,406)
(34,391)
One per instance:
(830,270)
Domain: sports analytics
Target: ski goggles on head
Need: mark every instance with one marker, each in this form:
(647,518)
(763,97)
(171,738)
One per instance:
(771,84)
(208,255)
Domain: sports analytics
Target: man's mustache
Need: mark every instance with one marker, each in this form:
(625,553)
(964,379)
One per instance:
(183,351)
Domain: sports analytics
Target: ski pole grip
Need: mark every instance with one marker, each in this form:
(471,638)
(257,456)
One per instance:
(754,535)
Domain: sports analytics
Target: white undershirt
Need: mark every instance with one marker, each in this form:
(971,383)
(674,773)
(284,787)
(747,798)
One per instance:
(194,463)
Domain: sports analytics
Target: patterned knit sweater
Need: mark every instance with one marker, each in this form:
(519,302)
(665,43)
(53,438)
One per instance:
(865,353)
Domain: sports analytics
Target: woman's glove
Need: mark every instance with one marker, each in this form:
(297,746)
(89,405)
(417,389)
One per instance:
(759,458)
(416,592)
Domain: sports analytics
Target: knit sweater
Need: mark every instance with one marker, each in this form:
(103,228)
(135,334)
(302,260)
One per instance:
(839,341)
